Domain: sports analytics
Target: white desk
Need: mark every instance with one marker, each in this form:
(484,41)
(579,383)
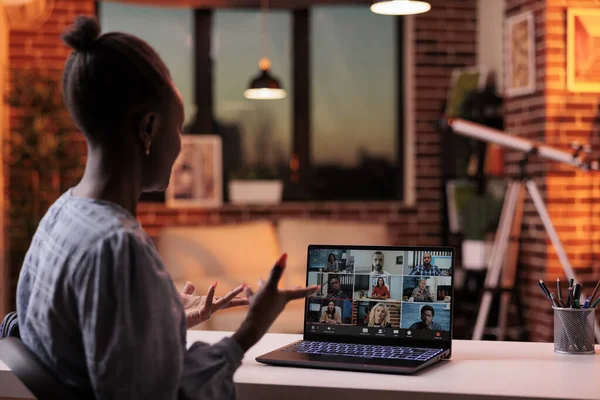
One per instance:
(478,370)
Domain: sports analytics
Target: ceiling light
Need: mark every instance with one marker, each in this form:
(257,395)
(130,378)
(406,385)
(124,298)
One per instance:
(400,7)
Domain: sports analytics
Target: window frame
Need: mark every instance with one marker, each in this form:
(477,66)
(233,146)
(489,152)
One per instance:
(301,120)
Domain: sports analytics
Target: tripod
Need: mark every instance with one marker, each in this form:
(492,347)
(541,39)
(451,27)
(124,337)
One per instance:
(503,257)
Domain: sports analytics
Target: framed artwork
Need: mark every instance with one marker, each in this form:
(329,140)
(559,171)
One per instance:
(520,54)
(463,82)
(197,174)
(583,50)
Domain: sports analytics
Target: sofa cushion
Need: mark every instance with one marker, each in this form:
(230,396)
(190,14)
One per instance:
(229,254)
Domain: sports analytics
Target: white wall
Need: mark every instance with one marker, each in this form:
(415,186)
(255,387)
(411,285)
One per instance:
(490,20)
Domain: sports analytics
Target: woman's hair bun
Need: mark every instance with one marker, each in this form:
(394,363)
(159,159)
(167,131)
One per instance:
(82,34)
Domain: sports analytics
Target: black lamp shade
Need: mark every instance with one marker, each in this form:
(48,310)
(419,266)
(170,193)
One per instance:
(264,87)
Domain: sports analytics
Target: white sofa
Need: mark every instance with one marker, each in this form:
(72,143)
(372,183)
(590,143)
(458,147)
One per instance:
(245,252)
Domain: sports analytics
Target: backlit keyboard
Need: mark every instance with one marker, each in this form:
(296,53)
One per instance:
(364,350)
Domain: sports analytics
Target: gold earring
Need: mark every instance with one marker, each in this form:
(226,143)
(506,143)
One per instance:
(147,149)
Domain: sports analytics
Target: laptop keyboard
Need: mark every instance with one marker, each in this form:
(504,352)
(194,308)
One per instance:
(364,350)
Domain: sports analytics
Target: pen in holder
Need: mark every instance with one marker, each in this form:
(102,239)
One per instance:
(574,330)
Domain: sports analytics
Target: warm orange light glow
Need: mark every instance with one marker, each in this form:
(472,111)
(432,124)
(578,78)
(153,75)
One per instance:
(294,163)
(15,2)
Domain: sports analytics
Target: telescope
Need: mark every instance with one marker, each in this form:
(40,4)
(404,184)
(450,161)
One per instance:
(486,134)
(509,227)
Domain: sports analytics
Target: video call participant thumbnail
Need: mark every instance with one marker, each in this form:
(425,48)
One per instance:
(334,288)
(331,314)
(332,264)
(380,290)
(377,265)
(329,311)
(421,293)
(427,322)
(380,315)
(426,268)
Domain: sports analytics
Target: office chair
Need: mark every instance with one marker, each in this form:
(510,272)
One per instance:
(40,381)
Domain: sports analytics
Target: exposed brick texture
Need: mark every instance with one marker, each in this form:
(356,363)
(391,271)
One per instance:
(39,48)
(556,117)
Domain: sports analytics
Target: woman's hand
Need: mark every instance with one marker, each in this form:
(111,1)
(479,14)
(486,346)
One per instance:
(199,308)
(266,304)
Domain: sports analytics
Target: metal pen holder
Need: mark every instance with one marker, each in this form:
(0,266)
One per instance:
(574,330)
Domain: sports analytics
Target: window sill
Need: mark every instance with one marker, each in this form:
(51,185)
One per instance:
(392,205)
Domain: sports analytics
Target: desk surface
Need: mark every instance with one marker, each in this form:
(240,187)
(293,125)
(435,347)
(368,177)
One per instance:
(478,369)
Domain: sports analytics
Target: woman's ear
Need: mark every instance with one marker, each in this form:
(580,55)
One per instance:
(148,129)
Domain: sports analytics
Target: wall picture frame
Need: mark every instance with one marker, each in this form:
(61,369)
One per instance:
(583,50)
(463,82)
(519,39)
(197,174)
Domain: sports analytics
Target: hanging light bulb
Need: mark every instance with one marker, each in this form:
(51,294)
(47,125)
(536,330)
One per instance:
(400,7)
(264,86)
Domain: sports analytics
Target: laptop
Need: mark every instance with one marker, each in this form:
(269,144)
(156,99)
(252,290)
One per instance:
(383,309)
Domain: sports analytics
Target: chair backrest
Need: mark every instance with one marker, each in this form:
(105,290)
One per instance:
(40,381)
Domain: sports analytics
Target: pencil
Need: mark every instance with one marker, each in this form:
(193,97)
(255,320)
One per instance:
(558,288)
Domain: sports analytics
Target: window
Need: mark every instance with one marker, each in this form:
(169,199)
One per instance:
(338,135)
(168,30)
(354,151)
(260,130)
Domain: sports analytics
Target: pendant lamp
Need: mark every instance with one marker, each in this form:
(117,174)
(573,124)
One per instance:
(264,86)
(400,7)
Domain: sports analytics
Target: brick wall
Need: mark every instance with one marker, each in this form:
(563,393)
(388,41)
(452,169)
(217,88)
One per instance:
(572,195)
(37,48)
(4,276)
(556,117)
(445,38)
(525,117)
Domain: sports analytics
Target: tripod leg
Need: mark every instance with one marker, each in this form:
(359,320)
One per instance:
(498,251)
(510,265)
(549,227)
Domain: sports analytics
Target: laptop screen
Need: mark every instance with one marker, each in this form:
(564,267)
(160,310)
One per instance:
(387,292)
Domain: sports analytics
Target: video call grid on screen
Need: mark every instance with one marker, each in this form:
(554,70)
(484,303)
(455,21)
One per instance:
(397,289)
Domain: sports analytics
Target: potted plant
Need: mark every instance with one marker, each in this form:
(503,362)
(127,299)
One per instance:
(42,158)
(479,220)
(255,186)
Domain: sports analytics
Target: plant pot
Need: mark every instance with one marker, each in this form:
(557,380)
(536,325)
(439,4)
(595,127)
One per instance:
(476,254)
(255,191)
